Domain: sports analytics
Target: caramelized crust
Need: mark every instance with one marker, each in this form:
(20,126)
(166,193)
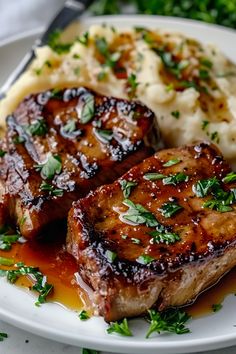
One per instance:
(94,148)
(110,259)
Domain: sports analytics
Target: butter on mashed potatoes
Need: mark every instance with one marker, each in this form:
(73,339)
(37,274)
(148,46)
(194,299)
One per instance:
(191,87)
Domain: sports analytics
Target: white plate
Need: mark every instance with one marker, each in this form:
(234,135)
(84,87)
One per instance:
(53,321)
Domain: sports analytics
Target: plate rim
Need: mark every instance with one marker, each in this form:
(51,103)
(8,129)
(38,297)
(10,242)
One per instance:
(186,345)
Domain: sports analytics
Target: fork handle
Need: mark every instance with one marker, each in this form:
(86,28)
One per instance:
(70,11)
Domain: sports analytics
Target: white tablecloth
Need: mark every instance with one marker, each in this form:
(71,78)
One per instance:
(17,16)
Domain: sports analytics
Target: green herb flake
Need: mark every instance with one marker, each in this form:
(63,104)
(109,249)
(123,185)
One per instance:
(88,109)
(102,75)
(89,351)
(127,186)
(18,140)
(175,179)
(105,135)
(204,74)
(164,237)
(136,241)
(2,153)
(215,137)
(7,239)
(175,114)
(205,124)
(51,167)
(3,336)
(172,321)
(110,256)
(230,177)
(69,127)
(124,237)
(170,209)
(76,56)
(133,84)
(206,62)
(144,259)
(56,192)
(84,39)
(56,45)
(38,128)
(153,176)
(103,48)
(83,315)
(120,327)
(216,307)
(6,261)
(205,186)
(137,214)
(171,162)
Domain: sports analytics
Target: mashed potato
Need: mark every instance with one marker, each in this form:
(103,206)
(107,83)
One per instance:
(190,87)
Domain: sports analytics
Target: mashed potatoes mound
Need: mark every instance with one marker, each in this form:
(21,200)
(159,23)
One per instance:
(190,87)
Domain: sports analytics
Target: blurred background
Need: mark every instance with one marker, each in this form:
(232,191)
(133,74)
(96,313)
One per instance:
(22,15)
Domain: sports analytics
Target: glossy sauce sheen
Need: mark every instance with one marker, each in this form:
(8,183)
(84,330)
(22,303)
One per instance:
(59,267)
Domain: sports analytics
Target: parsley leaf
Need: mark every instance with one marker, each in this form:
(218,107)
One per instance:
(144,259)
(169,209)
(110,256)
(175,114)
(153,176)
(104,134)
(110,58)
(3,336)
(127,186)
(56,45)
(172,320)
(2,153)
(171,162)
(204,187)
(69,127)
(165,236)
(51,167)
(175,179)
(120,327)
(83,315)
(84,39)
(133,84)
(216,307)
(56,192)
(7,239)
(88,109)
(230,177)
(139,215)
(37,128)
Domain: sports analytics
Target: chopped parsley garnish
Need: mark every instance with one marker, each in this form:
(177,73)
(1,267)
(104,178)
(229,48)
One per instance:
(70,126)
(39,280)
(83,315)
(175,179)
(76,56)
(56,45)
(205,123)
(110,256)
(3,336)
(88,109)
(6,261)
(124,237)
(89,351)
(153,176)
(215,137)
(133,84)
(169,209)
(170,63)
(7,239)
(230,177)
(164,236)
(139,215)
(104,134)
(204,74)
(127,186)
(206,62)
(84,39)
(110,58)
(2,153)
(56,192)
(51,167)
(205,186)
(136,241)
(145,259)
(37,128)
(221,200)
(175,114)
(216,307)
(120,327)
(172,320)
(171,162)
(18,140)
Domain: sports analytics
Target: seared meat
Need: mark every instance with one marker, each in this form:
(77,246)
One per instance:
(158,236)
(60,144)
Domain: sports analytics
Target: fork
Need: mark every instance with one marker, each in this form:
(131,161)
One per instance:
(71,10)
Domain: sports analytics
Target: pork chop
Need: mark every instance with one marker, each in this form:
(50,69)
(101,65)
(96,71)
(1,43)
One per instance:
(60,144)
(159,235)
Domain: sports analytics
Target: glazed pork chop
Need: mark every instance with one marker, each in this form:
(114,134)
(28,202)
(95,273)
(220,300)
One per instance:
(60,144)
(159,235)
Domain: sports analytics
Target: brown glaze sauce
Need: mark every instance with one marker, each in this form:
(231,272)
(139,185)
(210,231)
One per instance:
(60,267)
